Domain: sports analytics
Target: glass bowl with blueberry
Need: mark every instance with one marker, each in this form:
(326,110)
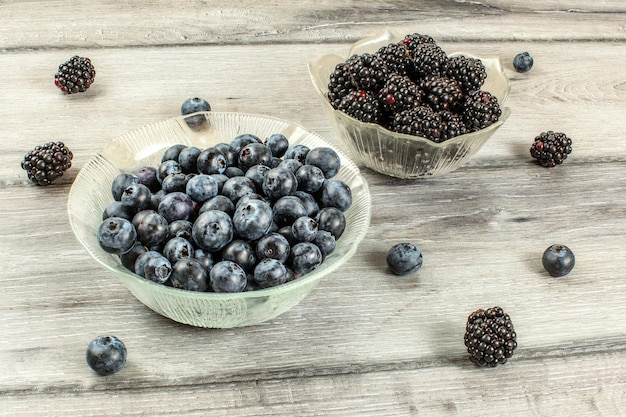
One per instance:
(406,108)
(227,221)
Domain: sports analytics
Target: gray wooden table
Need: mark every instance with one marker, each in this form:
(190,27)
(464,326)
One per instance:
(365,342)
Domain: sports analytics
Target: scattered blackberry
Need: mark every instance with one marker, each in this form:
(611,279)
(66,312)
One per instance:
(469,72)
(396,57)
(362,106)
(75,75)
(480,109)
(551,148)
(428,59)
(399,93)
(339,85)
(490,337)
(367,72)
(452,125)
(441,93)
(419,121)
(46,163)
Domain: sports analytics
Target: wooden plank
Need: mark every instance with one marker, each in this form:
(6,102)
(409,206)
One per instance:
(64,24)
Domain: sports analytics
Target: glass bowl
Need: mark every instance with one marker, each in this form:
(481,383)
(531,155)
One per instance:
(91,193)
(396,154)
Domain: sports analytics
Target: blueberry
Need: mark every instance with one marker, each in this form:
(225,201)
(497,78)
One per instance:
(171,153)
(404,258)
(168,167)
(148,176)
(332,220)
(116,235)
(304,257)
(121,182)
(278,144)
(152,228)
(178,248)
(523,62)
(213,230)
(211,161)
(279,182)
(242,252)
(336,193)
(310,203)
(156,199)
(190,274)
(118,209)
(292,165)
(310,178)
(253,219)
(287,209)
(257,173)
(324,158)
(106,355)
(304,229)
(205,258)
(227,276)
(175,182)
(254,154)
(129,258)
(221,180)
(558,260)
(156,268)
(219,202)
(188,159)
(325,241)
(180,228)
(238,186)
(270,273)
(229,153)
(142,259)
(193,105)
(238,142)
(176,206)
(201,188)
(273,245)
(137,196)
(297,152)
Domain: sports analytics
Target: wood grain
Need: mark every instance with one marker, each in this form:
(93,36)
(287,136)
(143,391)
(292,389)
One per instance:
(365,342)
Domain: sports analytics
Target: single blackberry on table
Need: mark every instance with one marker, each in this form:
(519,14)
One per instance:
(452,125)
(396,58)
(361,105)
(419,121)
(428,59)
(48,162)
(490,337)
(469,72)
(367,72)
(441,93)
(480,109)
(75,75)
(399,93)
(339,84)
(551,148)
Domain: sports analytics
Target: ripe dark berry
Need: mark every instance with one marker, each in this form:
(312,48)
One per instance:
(75,75)
(46,163)
(106,355)
(193,105)
(361,105)
(558,260)
(523,62)
(490,337)
(480,109)
(404,258)
(551,148)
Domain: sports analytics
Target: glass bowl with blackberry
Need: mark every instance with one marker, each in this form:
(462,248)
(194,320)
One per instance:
(406,108)
(220,220)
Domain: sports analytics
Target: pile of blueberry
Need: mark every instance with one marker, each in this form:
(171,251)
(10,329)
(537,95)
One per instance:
(237,216)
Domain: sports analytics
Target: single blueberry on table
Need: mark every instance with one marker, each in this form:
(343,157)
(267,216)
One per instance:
(116,235)
(193,105)
(106,355)
(190,274)
(269,273)
(523,62)
(404,258)
(558,260)
(227,276)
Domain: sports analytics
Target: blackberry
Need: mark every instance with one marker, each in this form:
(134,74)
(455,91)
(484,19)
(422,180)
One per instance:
(441,93)
(399,93)
(419,121)
(469,72)
(452,125)
(396,58)
(367,72)
(46,163)
(551,148)
(75,75)
(362,106)
(339,84)
(428,59)
(490,337)
(480,109)
(413,40)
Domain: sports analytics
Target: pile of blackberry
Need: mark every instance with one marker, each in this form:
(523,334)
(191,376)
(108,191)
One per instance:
(413,87)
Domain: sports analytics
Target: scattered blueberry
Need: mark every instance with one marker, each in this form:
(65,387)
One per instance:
(558,260)
(404,258)
(523,62)
(193,105)
(106,355)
